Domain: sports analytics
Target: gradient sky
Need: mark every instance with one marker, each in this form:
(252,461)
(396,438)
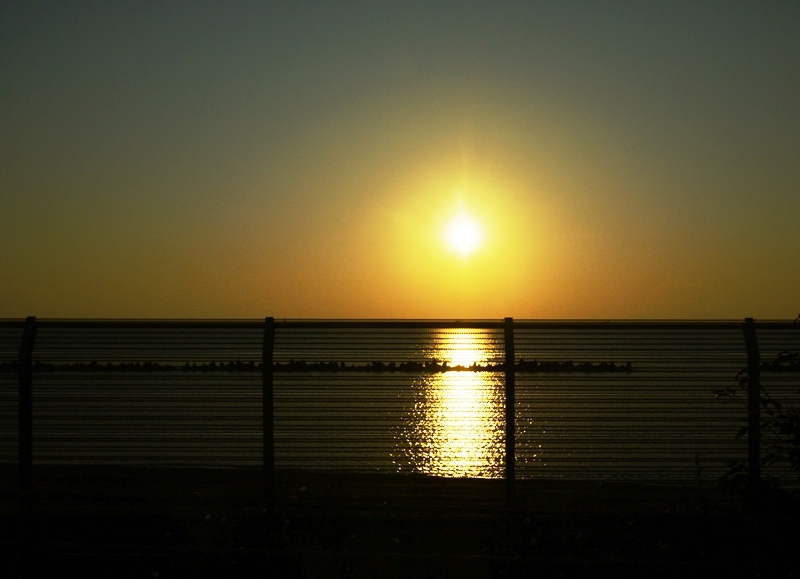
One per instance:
(303,159)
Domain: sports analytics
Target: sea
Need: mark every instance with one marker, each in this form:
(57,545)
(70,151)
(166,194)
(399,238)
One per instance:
(619,401)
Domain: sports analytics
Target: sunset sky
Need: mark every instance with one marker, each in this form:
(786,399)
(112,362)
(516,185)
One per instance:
(293,159)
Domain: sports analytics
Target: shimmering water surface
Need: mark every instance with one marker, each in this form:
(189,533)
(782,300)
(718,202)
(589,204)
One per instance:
(456,424)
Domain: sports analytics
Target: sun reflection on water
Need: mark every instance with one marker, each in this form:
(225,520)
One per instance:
(456,425)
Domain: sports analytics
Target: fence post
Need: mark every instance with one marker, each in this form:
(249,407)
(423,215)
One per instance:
(26,404)
(753,403)
(268,419)
(510,438)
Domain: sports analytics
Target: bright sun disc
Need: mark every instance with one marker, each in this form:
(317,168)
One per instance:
(463,235)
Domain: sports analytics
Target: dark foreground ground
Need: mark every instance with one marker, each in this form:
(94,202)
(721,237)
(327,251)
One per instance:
(110,522)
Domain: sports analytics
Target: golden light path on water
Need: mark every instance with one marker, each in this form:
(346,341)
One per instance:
(456,426)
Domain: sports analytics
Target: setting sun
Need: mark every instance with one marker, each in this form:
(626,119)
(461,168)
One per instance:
(463,235)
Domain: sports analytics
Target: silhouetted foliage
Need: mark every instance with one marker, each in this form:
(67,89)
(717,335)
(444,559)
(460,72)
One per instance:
(780,422)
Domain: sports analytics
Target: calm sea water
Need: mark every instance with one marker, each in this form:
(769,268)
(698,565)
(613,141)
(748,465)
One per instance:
(445,423)
(660,421)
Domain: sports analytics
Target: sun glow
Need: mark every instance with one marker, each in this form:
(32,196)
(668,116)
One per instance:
(463,235)
(439,236)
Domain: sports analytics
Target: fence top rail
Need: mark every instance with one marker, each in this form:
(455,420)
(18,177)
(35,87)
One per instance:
(496,324)
(656,324)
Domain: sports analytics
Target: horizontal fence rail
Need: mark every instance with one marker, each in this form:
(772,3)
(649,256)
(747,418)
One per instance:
(514,399)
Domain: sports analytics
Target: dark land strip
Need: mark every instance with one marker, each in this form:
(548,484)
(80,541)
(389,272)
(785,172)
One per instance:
(413,367)
(148,522)
(410,367)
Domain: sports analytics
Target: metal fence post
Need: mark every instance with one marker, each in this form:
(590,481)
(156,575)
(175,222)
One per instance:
(26,404)
(267,387)
(510,438)
(753,403)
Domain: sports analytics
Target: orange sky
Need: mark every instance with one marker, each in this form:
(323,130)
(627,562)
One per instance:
(622,163)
